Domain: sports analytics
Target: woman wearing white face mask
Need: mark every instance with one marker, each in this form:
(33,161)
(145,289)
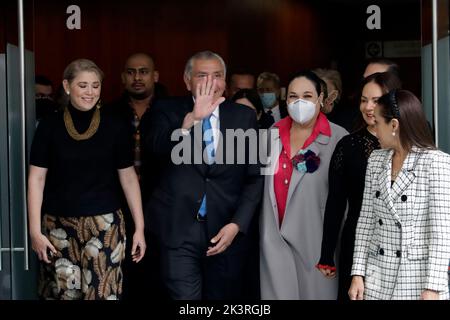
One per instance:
(295,195)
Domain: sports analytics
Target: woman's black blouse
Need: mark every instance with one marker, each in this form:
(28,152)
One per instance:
(346,184)
(82,177)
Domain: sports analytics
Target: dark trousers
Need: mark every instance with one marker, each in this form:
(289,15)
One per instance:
(142,280)
(190,275)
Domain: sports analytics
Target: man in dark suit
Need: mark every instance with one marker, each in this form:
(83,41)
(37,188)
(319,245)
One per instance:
(204,207)
(269,88)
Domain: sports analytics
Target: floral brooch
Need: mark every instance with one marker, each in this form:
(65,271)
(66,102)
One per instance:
(306,161)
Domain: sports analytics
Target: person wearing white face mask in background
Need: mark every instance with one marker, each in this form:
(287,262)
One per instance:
(291,220)
(268,86)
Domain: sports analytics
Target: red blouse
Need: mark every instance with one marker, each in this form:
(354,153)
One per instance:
(283,175)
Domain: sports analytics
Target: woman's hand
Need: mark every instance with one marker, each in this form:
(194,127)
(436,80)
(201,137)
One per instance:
(328,272)
(356,291)
(40,245)
(429,295)
(139,246)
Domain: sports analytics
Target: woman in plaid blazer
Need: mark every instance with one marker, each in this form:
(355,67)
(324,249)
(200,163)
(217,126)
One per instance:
(402,245)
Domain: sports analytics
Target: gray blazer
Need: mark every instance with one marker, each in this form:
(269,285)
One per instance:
(402,244)
(289,255)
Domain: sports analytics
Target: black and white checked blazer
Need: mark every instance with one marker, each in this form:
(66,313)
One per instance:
(402,244)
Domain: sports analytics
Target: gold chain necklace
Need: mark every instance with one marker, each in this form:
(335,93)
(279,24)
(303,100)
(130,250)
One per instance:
(93,126)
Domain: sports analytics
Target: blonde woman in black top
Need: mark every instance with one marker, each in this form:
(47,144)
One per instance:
(346,183)
(79,160)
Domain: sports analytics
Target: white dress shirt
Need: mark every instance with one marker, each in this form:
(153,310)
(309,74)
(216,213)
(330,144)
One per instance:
(276,113)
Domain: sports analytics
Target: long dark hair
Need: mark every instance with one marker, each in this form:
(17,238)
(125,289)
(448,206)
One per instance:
(387,81)
(404,106)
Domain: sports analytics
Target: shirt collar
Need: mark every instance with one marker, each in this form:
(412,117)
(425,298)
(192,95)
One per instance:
(275,109)
(283,124)
(216,112)
(322,126)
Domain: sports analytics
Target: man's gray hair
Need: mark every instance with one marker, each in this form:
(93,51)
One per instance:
(203,55)
(268,76)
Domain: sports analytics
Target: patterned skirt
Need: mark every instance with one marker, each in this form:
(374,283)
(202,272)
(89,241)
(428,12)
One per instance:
(87,265)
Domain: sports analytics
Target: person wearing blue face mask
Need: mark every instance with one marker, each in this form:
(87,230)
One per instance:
(269,99)
(291,221)
(268,85)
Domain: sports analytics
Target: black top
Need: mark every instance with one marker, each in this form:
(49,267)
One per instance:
(82,178)
(346,183)
(152,166)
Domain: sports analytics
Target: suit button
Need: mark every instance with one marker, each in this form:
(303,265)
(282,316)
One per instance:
(207,179)
(404,198)
(377,194)
(398,224)
(381,251)
(199,200)
(380,222)
(398,253)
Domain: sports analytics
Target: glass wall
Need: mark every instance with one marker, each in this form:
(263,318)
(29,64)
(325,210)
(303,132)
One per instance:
(443,69)
(18,264)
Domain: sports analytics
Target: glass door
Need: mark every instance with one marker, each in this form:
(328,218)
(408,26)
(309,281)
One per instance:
(436,68)
(5,254)
(17,125)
